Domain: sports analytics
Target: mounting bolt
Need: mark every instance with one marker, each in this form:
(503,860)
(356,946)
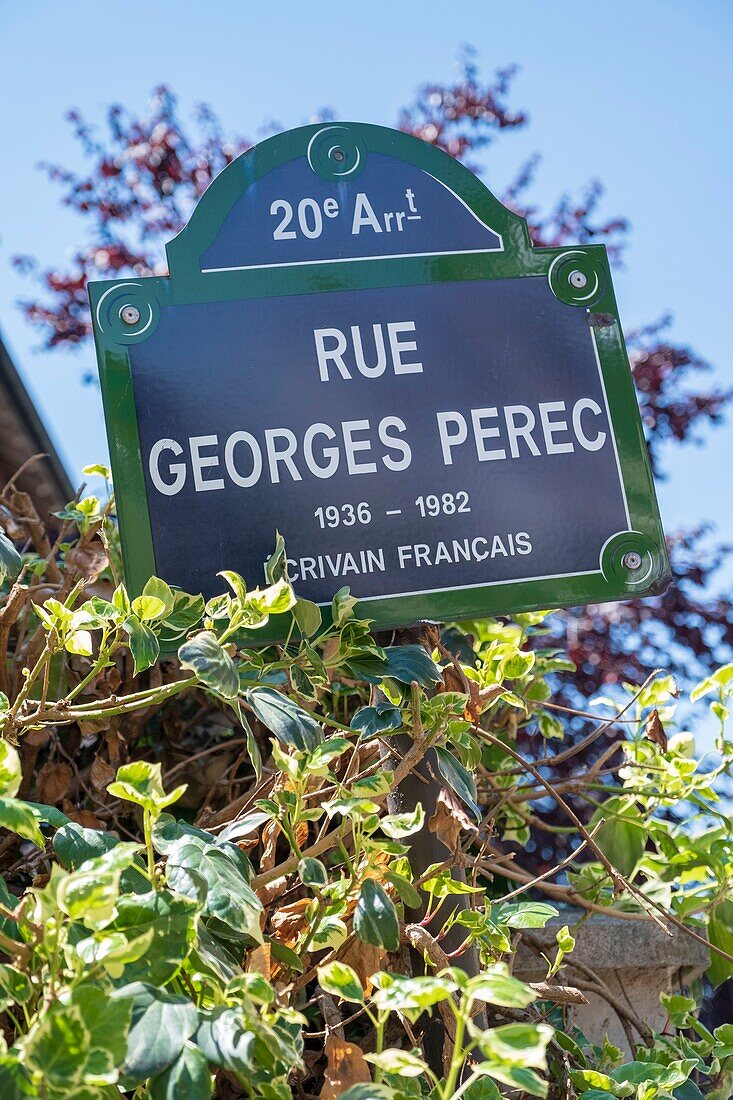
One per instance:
(130,315)
(338,155)
(632,561)
(578,279)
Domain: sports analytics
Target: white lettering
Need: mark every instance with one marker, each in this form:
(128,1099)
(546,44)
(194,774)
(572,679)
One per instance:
(178,469)
(578,409)
(481,434)
(399,347)
(352,446)
(238,478)
(364,215)
(550,428)
(334,354)
(201,462)
(449,439)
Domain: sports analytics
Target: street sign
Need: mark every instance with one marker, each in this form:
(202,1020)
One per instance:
(358,346)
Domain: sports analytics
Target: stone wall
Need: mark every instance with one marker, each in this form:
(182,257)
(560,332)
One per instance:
(635,960)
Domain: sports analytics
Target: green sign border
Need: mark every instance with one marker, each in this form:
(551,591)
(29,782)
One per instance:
(187,285)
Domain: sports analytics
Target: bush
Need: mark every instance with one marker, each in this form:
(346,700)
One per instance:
(167,939)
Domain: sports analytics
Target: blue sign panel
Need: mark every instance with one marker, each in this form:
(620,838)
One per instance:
(403,440)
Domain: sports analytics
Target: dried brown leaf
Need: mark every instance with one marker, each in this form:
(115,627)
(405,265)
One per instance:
(93,726)
(346,1067)
(89,559)
(270,834)
(364,959)
(101,774)
(85,818)
(449,819)
(259,961)
(290,920)
(53,782)
(654,730)
(37,738)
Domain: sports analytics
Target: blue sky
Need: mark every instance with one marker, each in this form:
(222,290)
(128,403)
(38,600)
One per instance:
(635,94)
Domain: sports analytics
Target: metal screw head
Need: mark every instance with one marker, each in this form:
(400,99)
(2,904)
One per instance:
(631,560)
(338,155)
(130,315)
(578,279)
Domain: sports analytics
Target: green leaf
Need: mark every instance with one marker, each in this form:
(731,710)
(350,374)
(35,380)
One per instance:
(148,608)
(15,987)
(602,1084)
(107,1022)
(167,831)
(212,664)
(48,815)
(290,723)
(379,719)
(375,918)
(411,995)
(142,783)
(144,645)
(155,589)
(497,987)
(11,773)
(225,1040)
(275,600)
(523,914)
(90,896)
(97,469)
(400,1063)
(307,616)
(188,1077)
(516,665)
(482,1089)
(228,898)
(276,566)
(719,681)
(312,872)
(340,980)
(399,825)
(411,662)
(11,562)
(517,1044)
(368,1092)
(186,613)
(622,838)
(9,927)
(172,919)
(15,1082)
(303,684)
(74,844)
(235,582)
(19,818)
(79,643)
(57,1048)
(720,934)
(342,606)
(112,951)
(253,749)
(160,1025)
(665,1077)
(678,1008)
(443,885)
(406,892)
(458,778)
(518,1077)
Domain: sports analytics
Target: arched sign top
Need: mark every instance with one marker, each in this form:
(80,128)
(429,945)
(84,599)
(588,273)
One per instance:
(343,191)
